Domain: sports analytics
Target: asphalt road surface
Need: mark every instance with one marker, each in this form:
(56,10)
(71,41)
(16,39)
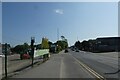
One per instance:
(75,65)
(60,65)
(106,64)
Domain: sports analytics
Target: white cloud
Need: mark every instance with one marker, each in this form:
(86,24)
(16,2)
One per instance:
(59,11)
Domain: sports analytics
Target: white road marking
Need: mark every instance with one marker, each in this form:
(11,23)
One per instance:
(98,76)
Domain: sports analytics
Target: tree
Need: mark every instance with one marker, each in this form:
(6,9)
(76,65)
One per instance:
(45,44)
(62,37)
(78,45)
(50,43)
(92,44)
(85,45)
(64,41)
(38,46)
(62,44)
(21,49)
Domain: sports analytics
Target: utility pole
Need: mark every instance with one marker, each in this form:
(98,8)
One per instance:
(32,48)
(6,61)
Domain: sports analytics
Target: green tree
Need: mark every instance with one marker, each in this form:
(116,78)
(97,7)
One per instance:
(38,46)
(21,49)
(78,45)
(85,45)
(45,43)
(92,44)
(64,42)
(63,37)
(61,44)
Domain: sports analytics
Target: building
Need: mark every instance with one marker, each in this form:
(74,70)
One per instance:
(107,44)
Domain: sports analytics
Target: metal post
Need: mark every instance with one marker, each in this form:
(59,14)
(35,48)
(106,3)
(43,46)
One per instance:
(32,49)
(5,60)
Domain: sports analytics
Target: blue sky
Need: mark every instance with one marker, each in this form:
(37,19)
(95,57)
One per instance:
(75,20)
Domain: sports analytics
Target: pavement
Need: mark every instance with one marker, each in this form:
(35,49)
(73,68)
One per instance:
(15,64)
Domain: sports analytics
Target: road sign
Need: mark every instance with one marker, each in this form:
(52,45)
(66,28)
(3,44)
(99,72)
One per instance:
(40,52)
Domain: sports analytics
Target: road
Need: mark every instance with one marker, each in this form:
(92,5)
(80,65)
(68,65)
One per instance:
(100,62)
(75,65)
(59,66)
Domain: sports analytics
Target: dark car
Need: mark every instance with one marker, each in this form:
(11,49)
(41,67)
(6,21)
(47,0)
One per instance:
(66,50)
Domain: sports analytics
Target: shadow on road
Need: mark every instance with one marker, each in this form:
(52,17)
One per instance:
(114,72)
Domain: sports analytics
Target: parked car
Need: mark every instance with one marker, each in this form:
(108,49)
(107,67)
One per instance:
(25,56)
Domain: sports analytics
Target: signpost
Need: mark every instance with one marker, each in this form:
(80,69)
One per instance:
(32,48)
(5,60)
(40,52)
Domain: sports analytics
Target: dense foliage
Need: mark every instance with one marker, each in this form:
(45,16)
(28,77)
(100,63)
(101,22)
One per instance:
(20,49)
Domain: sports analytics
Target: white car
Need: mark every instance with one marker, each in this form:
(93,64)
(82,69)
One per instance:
(2,55)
